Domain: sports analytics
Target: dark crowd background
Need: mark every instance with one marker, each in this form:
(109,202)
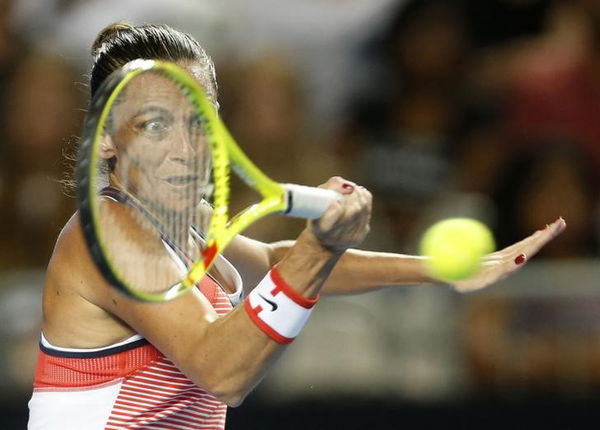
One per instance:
(488,109)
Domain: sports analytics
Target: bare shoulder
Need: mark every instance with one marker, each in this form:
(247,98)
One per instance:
(69,261)
(81,309)
(72,318)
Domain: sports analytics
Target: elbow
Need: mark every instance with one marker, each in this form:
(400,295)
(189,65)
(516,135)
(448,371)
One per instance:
(229,390)
(235,400)
(232,398)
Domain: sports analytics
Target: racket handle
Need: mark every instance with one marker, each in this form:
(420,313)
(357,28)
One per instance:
(308,202)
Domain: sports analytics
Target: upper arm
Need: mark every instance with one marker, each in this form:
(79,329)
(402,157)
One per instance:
(251,258)
(174,327)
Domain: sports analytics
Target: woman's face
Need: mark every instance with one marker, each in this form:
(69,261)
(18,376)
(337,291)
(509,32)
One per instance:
(162,155)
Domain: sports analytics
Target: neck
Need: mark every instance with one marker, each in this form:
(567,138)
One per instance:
(173,225)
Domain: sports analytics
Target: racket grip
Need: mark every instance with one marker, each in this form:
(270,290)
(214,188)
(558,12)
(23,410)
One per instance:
(308,202)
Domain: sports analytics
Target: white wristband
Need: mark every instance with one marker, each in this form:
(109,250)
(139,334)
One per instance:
(277,309)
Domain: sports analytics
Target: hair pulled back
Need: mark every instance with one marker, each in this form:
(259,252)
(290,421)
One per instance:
(120,43)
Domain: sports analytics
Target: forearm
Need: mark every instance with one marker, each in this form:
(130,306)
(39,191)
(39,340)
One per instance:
(359,271)
(231,357)
(241,365)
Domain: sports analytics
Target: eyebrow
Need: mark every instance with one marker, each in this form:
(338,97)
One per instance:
(153,109)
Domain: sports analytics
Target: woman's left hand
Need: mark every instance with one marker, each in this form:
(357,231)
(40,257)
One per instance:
(500,264)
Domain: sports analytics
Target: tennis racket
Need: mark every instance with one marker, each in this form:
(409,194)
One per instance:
(153,176)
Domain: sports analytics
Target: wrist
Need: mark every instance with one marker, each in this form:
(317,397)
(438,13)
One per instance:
(310,242)
(307,264)
(277,309)
(423,274)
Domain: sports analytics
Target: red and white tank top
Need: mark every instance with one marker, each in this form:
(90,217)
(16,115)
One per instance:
(127,385)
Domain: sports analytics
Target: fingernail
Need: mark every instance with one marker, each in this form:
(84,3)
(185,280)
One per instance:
(520,259)
(543,228)
(347,186)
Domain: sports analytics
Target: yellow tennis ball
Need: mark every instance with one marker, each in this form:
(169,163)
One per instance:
(455,247)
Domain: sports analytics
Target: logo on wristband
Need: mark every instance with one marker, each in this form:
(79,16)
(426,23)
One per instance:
(289,310)
(274,305)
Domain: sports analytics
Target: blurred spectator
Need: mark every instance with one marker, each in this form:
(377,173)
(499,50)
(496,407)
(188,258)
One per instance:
(498,22)
(67,28)
(320,34)
(11,47)
(554,92)
(546,91)
(20,322)
(41,112)
(536,348)
(265,107)
(540,185)
(399,139)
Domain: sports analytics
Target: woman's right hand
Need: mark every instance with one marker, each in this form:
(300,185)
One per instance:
(346,222)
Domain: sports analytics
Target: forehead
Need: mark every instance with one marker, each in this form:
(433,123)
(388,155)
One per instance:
(203,76)
(149,89)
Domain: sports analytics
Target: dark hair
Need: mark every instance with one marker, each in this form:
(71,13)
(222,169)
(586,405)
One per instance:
(120,43)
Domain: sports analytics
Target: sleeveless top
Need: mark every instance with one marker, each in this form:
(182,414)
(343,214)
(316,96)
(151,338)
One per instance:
(130,384)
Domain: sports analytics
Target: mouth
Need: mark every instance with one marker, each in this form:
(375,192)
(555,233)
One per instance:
(181,181)
(189,185)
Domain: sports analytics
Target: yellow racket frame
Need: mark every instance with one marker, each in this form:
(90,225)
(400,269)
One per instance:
(225,153)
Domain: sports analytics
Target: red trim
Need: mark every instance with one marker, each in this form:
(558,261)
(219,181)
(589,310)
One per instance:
(285,288)
(70,373)
(209,254)
(253,314)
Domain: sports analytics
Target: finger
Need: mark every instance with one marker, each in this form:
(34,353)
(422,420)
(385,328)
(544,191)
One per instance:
(366,201)
(358,221)
(359,205)
(500,264)
(347,188)
(332,215)
(339,184)
(341,210)
(532,244)
(515,256)
(350,223)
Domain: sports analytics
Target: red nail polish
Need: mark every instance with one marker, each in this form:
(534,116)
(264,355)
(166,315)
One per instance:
(543,228)
(347,186)
(520,259)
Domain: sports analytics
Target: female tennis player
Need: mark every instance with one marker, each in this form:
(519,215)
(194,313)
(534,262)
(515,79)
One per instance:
(109,361)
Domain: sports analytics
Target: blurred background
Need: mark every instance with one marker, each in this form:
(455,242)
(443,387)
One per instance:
(488,109)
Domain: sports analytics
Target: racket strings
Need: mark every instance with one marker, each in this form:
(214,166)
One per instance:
(163,170)
(184,256)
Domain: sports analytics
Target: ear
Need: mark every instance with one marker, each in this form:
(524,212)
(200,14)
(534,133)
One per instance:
(107,147)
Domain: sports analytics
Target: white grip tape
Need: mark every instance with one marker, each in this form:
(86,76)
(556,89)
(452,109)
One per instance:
(277,309)
(308,202)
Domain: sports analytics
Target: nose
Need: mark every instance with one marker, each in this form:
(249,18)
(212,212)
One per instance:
(183,146)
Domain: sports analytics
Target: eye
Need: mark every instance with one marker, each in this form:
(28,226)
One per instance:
(155,127)
(196,125)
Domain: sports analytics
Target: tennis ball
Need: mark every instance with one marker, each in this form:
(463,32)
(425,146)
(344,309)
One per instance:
(455,247)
